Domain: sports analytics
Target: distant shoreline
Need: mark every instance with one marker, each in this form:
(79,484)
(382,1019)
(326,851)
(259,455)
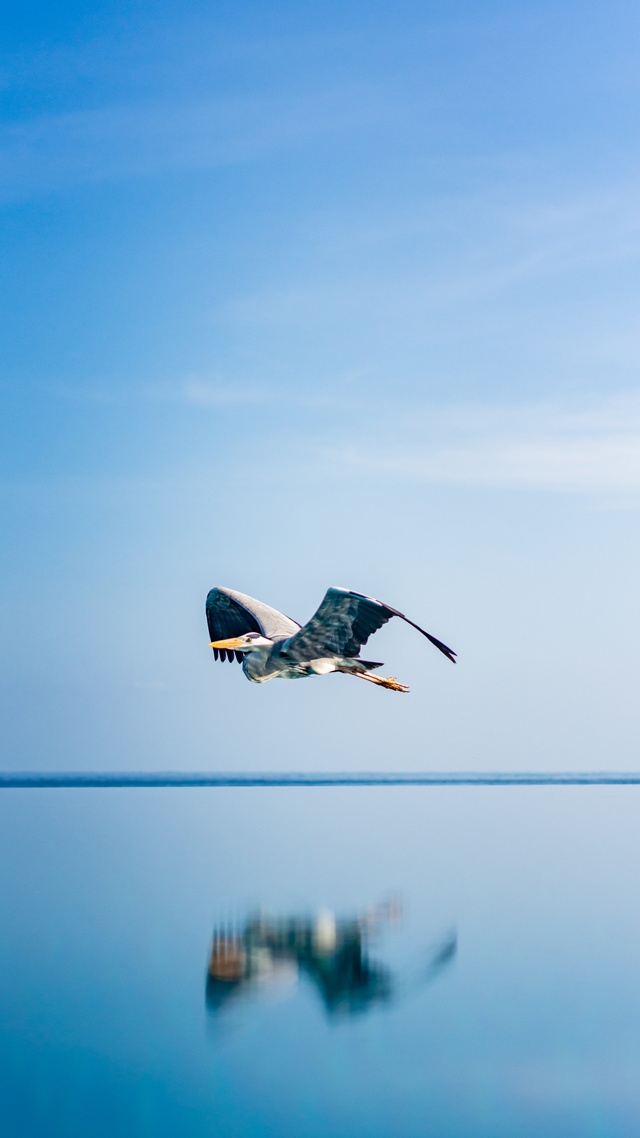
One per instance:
(125,779)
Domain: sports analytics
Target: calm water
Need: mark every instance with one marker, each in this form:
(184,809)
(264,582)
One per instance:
(312,961)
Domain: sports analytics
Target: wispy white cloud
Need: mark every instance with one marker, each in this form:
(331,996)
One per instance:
(210,393)
(195,390)
(587,449)
(56,151)
(215,393)
(581,449)
(470,258)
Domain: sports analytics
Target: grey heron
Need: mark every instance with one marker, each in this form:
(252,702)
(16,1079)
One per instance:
(270,645)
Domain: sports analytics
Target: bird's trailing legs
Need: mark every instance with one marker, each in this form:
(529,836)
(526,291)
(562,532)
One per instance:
(384,681)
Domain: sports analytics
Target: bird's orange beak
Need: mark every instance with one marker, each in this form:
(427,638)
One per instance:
(234,642)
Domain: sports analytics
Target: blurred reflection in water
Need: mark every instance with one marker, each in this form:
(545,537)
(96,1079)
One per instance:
(331,951)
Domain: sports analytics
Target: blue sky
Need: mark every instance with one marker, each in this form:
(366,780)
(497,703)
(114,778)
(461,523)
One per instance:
(299,295)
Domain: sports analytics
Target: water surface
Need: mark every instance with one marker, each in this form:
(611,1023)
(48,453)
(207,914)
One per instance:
(293,961)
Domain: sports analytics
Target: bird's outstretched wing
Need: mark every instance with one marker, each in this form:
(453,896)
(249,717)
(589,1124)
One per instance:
(232,614)
(343,623)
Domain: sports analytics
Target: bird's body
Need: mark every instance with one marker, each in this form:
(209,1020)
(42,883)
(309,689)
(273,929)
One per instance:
(270,645)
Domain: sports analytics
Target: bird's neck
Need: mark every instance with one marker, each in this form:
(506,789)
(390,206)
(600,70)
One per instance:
(256,662)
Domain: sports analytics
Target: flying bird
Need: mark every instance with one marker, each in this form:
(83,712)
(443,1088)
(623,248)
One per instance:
(270,645)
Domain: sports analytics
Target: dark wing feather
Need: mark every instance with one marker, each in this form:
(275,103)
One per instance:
(227,618)
(230,613)
(343,623)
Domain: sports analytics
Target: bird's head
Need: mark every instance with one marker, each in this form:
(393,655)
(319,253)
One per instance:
(247,643)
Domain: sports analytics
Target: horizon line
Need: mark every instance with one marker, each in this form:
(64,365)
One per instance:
(39,780)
